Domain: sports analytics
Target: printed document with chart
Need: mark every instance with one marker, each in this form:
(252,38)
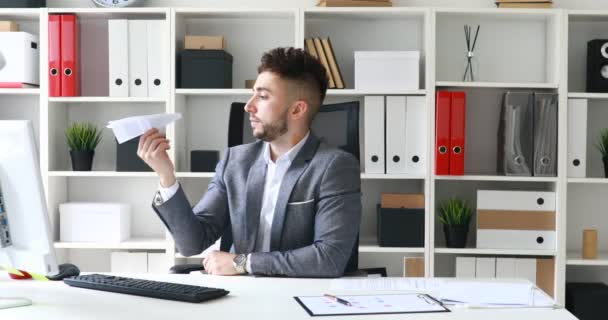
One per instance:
(371,304)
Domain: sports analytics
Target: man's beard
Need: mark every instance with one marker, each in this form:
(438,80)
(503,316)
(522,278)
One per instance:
(271,131)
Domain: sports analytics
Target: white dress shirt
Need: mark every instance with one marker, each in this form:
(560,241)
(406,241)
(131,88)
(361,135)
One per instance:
(275,171)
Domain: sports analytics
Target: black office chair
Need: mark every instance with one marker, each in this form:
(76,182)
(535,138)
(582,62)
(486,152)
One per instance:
(335,124)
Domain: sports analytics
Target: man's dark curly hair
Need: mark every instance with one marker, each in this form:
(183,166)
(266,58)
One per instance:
(298,65)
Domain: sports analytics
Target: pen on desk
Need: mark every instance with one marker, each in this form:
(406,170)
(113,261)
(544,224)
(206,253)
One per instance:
(342,301)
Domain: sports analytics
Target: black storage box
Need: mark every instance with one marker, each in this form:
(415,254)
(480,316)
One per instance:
(586,300)
(203,160)
(204,69)
(127,158)
(22,3)
(400,227)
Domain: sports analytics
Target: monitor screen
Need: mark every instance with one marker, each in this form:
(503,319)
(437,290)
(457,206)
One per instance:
(335,124)
(26,242)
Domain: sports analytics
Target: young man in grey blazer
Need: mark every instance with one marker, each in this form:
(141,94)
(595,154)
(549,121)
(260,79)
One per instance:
(293,203)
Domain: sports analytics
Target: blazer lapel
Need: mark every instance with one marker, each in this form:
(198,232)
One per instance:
(255,189)
(289,181)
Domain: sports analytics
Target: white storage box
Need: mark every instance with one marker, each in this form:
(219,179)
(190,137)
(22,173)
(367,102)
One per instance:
(94,222)
(19,52)
(387,70)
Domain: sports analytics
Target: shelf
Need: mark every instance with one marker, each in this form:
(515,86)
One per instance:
(380,176)
(20,13)
(134,243)
(588,95)
(588,180)
(234,13)
(575,259)
(497,178)
(107,99)
(330,92)
(476,84)
(496,252)
(96,174)
(116,174)
(358,92)
(195,174)
(372,247)
(214,92)
(19,91)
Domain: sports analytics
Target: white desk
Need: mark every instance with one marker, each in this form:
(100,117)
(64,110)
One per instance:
(249,298)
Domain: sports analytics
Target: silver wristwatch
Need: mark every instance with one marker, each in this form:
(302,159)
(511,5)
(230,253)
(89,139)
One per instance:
(239,262)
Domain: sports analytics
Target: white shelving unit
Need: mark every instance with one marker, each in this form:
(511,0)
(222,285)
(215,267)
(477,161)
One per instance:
(518,49)
(586,200)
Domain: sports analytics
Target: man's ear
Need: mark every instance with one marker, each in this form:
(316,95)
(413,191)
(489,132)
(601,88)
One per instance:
(300,109)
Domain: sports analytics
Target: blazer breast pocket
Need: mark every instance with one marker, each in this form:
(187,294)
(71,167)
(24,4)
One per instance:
(305,207)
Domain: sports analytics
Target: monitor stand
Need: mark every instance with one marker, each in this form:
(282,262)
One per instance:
(7,303)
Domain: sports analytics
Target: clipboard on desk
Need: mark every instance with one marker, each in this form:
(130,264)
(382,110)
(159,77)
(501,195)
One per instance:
(371,304)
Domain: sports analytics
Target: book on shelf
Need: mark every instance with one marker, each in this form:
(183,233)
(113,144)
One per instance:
(323,58)
(354,3)
(533,5)
(333,63)
(309,45)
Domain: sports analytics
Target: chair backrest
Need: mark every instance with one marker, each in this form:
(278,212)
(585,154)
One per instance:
(335,124)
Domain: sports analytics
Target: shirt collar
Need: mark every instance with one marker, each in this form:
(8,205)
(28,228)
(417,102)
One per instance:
(289,155)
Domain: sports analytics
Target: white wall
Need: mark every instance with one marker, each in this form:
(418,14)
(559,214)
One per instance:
(566,4)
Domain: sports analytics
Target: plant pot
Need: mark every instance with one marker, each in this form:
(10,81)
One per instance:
(605,159)
(456,236)
(82,160)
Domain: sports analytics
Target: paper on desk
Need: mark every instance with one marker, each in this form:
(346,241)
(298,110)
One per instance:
(483,293)
(126,129)
(386,284)
(474,293)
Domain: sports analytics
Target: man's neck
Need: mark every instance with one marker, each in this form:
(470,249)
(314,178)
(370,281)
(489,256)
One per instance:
(280,146)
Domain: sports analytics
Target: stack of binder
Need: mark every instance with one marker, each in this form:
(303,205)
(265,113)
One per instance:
(354,3)
(527,134)
(450,133)
(64,70)
(322,49)
(395,135)
(577,138)
(516,219)
(136,55)
(540,271)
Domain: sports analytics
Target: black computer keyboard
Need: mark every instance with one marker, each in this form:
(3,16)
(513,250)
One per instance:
(146,288)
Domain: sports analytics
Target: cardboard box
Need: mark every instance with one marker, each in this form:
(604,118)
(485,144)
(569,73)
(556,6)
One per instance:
(413,267)
(204,43)
(94,222)
(8,26)
(401,200)
(249,84)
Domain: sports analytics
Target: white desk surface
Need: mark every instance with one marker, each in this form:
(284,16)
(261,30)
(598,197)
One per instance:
(249,298)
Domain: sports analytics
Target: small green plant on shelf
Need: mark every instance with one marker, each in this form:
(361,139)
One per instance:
(82,139)
(602,146)
(455,215)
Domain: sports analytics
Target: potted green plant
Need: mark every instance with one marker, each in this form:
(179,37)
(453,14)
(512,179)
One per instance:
(602,146)
(82,139)
(455,214)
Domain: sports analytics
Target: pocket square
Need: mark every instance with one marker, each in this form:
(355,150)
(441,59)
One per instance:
(301,202)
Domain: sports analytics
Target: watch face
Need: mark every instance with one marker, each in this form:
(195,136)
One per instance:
(240,259)
(115,3)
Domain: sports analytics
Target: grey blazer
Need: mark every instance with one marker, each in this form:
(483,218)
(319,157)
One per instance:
(316,219)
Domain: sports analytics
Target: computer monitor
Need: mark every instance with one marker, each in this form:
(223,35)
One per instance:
(336,124)
(25,240)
